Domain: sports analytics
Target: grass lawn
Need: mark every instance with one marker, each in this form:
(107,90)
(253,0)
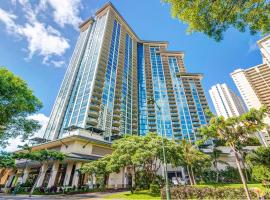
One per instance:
(250,186)
(144,194)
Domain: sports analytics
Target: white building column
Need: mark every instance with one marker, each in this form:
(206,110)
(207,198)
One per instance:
(1,170)
(2,174)
(76,176)
(26,172)
(5,176)
(10,179)
(41,175)
(183,173)
(125,174)
(54,172)
(68,173)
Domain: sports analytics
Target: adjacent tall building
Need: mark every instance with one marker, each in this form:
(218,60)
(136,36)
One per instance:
(254,87)
(264,45)
(112,75)
(226,102)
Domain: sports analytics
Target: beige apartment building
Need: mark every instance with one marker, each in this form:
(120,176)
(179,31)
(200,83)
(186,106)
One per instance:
(254,86)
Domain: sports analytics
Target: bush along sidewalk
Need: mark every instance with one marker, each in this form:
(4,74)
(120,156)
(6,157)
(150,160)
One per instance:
(189,192)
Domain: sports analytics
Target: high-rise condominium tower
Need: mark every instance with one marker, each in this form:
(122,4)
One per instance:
(111,76)
(226,102)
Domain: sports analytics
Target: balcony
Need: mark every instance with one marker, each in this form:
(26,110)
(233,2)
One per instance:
(116,124)
(92,122)
(94,107)
(152,129)
(93,114)
(97,95)
(116,117)
(175,119)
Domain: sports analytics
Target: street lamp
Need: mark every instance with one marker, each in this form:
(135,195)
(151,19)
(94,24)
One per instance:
(168,197)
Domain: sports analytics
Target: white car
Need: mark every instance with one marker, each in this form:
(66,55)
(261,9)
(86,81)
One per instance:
(178,181)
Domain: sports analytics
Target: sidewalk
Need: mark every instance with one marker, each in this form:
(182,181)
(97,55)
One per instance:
(85,196)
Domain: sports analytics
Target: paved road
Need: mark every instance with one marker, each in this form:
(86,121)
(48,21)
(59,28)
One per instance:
(92,196)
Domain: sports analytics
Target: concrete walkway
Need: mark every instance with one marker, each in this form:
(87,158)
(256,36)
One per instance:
(85,196)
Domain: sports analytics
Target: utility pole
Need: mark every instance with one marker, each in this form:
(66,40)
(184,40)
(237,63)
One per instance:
(168,196)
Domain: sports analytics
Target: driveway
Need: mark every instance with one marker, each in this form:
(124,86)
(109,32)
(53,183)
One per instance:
(92,196)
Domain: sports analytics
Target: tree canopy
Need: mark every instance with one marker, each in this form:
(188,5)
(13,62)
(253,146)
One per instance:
(6,160)
(259,161)
(214,17)
(143,156)
(17,102)
(235,130)
(40,155)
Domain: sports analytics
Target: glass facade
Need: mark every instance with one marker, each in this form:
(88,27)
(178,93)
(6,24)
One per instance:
(105,118)
(142,96)
(78,104)
(163,117)
(200,112)
(60,105)
(126,101)
(181,102)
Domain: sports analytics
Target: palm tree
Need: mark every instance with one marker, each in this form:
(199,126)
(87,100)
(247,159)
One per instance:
(234,131)
(190,157)
(260,156)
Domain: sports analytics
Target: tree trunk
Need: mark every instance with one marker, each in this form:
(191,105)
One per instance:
(246,173)
(244,164)
(135,181)
(217,172)
(217,177)
(241,172)
(189,176)
(193,176)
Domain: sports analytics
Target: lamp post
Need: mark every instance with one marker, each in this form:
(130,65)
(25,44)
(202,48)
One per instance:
(168,196)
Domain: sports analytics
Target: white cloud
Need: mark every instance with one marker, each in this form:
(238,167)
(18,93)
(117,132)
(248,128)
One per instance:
(43,39)
(42,119)
(8,19)
(66,12)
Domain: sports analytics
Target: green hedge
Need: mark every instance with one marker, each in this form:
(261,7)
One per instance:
(189,192)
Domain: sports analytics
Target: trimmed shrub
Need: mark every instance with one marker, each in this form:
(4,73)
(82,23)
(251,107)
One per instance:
(261,173)
(266,184)
(154,188)
(189,192)
(229,175)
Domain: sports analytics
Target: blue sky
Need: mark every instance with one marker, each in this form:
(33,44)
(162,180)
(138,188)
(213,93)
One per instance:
(37,39)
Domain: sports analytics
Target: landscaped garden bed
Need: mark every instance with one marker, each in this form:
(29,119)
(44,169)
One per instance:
(234,191)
